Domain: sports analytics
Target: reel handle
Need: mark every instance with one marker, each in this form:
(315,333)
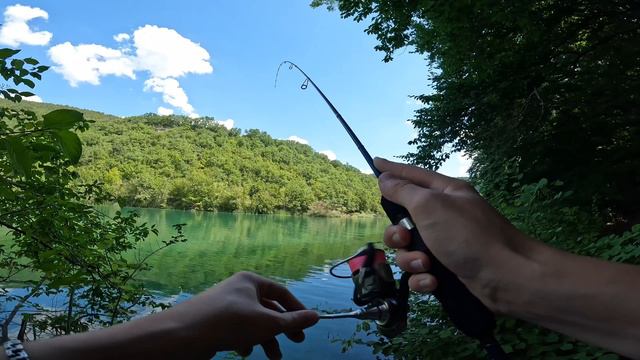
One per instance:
(465,310)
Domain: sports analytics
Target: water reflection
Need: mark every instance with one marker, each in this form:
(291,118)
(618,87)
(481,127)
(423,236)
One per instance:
(295,250)
(220,244)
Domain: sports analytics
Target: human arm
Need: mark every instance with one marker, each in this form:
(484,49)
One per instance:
(511,273)
(240,312)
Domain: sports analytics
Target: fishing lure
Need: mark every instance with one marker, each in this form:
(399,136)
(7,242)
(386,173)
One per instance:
(389,307)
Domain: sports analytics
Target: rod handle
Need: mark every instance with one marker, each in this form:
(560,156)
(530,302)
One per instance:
(465,310)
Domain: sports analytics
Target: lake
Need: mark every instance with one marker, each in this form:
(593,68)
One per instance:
(294,250)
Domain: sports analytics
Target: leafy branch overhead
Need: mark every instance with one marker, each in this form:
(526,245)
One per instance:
(19,71)
(26,138)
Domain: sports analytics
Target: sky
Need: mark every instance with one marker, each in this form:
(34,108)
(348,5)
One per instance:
(219,59)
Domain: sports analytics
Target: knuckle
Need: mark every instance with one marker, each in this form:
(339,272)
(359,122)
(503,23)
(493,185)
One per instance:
(246,275)
(463,185)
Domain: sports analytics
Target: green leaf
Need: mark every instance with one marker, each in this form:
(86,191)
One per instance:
(29,83)
(7,53)
(19,156)
(26,94)
(609,357)
(566,346)
(43,148)
(7,193)
(62,119)
(70,143)
(31,61)
(17,63)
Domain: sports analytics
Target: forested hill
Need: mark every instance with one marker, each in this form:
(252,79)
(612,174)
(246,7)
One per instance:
(177,162)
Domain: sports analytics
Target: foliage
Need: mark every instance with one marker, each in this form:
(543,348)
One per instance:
(184,163)
(542,95)
(58,247)
(542,89)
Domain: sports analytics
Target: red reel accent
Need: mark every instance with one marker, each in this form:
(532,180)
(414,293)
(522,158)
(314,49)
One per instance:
(357,262)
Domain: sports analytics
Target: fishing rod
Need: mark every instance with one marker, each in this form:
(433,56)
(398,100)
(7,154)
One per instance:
(384,302)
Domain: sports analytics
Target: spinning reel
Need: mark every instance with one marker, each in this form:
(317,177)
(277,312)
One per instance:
(382,299)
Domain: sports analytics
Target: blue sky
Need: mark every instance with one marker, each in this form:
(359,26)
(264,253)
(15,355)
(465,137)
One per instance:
(219,58)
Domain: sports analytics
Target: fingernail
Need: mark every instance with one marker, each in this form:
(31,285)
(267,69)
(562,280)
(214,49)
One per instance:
(416,266)
(396,238)
(425,284)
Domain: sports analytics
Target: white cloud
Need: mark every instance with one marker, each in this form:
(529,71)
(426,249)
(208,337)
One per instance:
(34,98)
(89,62)
(298,139)
(121,37)
(328,153)
(226,123)
(165,53)
(171,92)
(16,31)
(367,171)
(164,111)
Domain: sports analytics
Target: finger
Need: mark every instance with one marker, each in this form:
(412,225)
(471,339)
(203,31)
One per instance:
(297,320)
(271,305)
(423,283)
(274,291)
(294,335)
(272,349)
(419,176)
(413,261)
(407,194)
(396,237)
(245,351)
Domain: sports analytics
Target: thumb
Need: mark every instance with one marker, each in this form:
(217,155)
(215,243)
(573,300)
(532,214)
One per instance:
(298,320)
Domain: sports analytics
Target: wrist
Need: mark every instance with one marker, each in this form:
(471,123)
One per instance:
(513,276)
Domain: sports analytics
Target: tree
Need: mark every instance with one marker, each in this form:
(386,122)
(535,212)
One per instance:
(536,89)
(58,245)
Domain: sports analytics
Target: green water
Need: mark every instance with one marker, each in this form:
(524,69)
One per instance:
(294,250)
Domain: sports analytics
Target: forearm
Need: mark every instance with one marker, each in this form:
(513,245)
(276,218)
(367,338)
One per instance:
(150,337)
(586,298)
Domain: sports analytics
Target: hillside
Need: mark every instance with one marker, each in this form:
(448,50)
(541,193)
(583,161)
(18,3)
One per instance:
(177,162)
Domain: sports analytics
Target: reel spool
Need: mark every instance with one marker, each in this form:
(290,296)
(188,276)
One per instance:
(375,288)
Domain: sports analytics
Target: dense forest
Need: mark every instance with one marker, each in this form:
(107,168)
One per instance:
(178,162)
